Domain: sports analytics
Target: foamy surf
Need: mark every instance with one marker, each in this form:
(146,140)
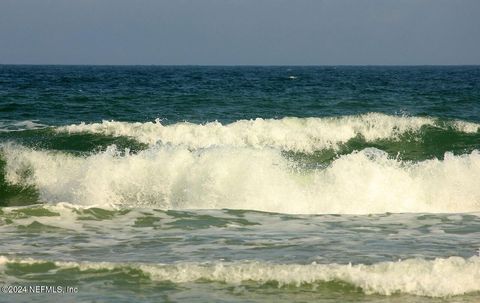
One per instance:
(288,134)
(346,184)
(364,182)
(433,278)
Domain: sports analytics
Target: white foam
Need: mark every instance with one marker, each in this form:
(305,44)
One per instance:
(434,278)
(243,178)
(292,134)
(466,127)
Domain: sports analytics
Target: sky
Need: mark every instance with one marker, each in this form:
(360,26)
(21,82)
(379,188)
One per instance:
(240,32)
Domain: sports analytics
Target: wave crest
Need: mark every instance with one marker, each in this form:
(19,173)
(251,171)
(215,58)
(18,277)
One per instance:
(177,178)
(289,134)
(435,278)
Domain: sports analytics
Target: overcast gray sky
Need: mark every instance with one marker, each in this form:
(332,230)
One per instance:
(231,32)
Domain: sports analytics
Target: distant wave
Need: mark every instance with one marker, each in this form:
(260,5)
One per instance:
(167,177)
(435,278)
(8,126)
(288,134)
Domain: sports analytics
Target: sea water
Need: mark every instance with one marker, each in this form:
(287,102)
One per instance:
(240,184)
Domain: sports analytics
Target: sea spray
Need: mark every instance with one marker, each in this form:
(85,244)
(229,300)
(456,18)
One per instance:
(167,177)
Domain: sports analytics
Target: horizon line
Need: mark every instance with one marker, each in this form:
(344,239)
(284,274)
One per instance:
(237,65)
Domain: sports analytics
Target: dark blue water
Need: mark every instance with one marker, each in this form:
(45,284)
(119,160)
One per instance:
(70,94)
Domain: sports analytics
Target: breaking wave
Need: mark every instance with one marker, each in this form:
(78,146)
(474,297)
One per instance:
(166,177)
(288,134)
(433,278)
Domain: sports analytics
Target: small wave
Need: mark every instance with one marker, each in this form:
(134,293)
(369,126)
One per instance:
(363,182)
(288,134)
(432,278)
(9,126)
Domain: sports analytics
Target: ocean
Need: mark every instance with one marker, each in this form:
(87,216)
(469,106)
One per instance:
(239,184)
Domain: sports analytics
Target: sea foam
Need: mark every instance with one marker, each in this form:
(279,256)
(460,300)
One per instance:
(166,177)
(433,278)
(288,134)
